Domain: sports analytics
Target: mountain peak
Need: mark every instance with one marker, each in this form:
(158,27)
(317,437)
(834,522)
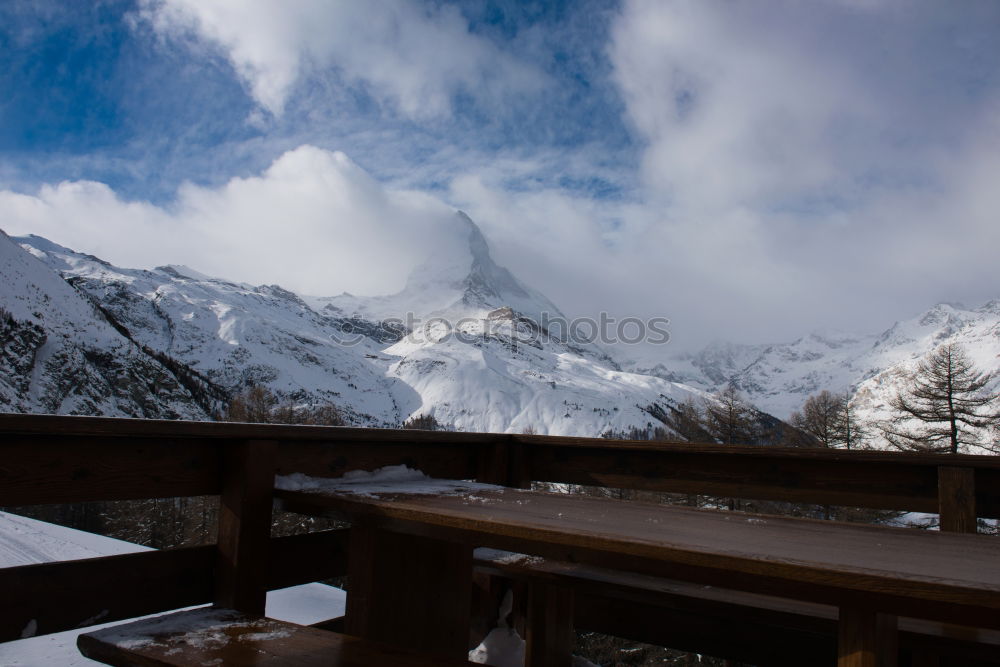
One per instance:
(459,278)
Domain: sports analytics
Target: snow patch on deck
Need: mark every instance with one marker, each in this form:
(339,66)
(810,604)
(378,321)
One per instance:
(383,481)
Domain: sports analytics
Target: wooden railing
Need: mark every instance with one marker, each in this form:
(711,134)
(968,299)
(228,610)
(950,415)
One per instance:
(48,460)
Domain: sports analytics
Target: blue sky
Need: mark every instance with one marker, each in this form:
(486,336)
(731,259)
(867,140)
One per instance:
(750,170)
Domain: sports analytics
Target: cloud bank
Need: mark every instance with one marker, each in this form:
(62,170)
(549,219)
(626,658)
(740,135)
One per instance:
(750,170)
(313,222)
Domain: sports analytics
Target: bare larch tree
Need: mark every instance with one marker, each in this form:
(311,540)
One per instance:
(946,396)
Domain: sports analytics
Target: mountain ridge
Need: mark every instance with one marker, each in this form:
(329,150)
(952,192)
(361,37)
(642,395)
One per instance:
(497,370)
(462,341)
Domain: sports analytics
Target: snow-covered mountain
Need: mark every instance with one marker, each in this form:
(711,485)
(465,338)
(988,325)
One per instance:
(61,354)
(778,378)
(465,341)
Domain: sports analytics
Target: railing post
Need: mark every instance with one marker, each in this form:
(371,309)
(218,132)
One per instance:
(493,463)
(866,638)
(518,464)
(504,463)
(245,525)
(957,499)
(549,636)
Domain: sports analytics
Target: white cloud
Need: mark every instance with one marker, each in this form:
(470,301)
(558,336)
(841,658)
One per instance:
(313,222)
(801,165)
(731,108)
(810,164)
(412,56)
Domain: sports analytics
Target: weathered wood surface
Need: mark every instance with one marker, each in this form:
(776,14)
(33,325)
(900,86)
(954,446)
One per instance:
(48,469)
(245,526)
(409,591)
(549,636)
(223,637)
(52,597)
(957,499)
(942,576)
(866,638)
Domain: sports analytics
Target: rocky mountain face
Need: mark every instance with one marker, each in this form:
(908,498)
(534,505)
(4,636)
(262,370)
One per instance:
(464,341)
(62,354)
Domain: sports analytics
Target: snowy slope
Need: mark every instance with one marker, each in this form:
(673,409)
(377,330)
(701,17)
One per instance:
(26,541)
(60,354)
(898,350)
(507,373)
(778,378)
(236,334)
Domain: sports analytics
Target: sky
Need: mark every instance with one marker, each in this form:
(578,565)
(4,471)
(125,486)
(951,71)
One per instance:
(752,171)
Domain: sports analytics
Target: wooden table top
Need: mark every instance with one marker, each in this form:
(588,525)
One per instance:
(951,577)
(206,636)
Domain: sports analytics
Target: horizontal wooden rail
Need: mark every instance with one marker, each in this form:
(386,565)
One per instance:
(44,469)
(877,480)
(48,459)
(53,597)
(54,459)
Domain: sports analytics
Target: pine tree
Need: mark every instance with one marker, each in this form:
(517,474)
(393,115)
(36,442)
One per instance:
(946,396)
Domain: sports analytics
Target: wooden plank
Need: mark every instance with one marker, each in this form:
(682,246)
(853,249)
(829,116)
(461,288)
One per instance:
(36,470)
(550,637)
(446,461)
(879,480)
(245,526)
(957,499)
(519,466)
(926,574)
(53,597)
(223,637)
(866,639)
(409,591)
(504,463)
(877,484)
(979,462)
(493,463)
(856,639)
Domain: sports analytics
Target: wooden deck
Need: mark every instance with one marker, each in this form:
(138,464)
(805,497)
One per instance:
(46,459)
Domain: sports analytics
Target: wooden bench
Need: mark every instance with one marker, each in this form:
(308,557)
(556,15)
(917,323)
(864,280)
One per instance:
(869,574)
(760,629)
(229,638)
